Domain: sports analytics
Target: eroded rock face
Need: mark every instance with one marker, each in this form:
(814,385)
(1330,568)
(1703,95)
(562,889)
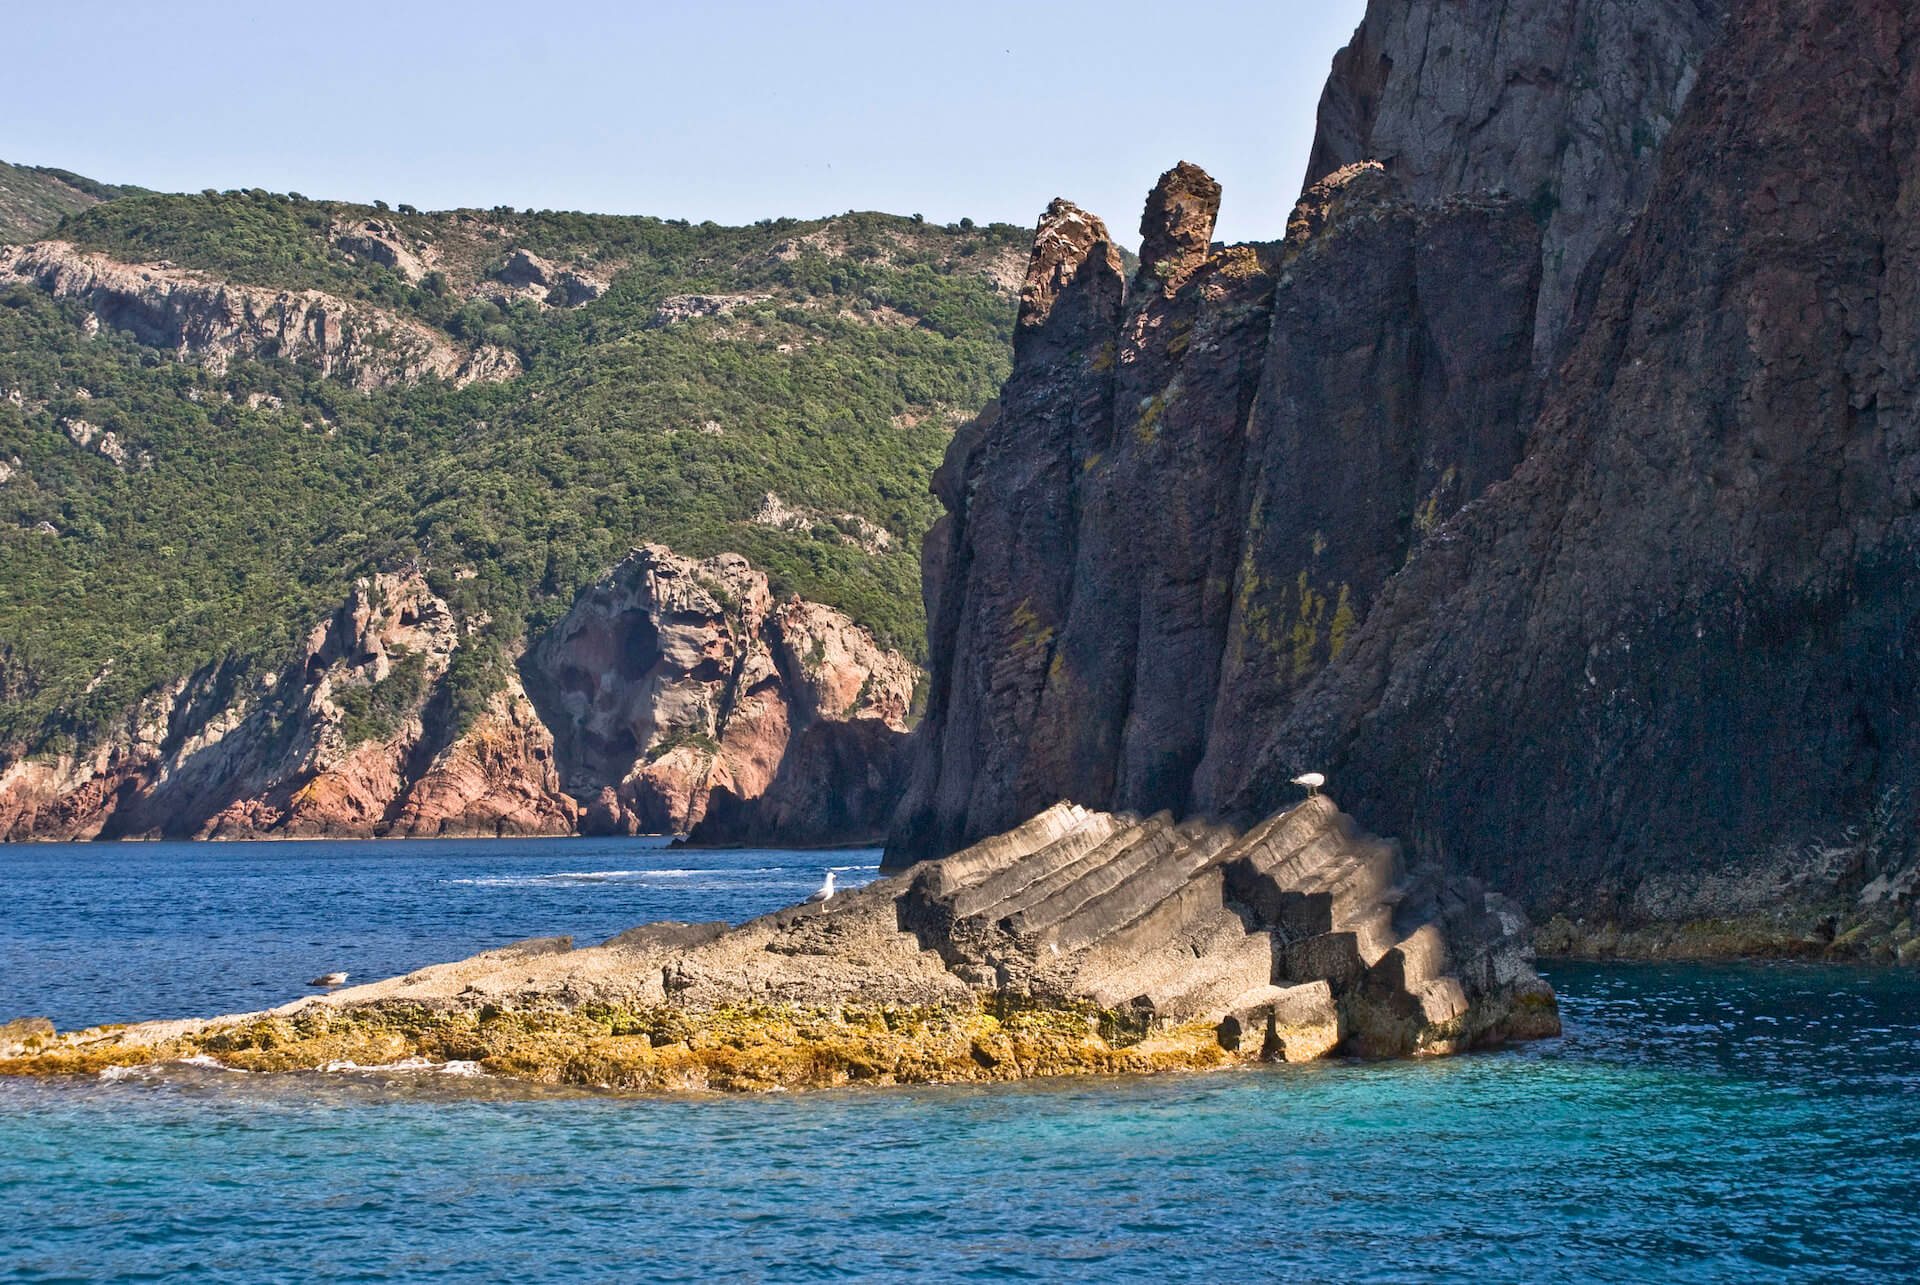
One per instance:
(1563,104)
(1670,661)
(1630,641)
(499,778)
(675,683)
(383,242)
(538,279)
(1187,498)
(200,318)
(345,742)
(672,685)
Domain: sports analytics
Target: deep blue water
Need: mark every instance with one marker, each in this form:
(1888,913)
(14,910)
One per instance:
(125,932)
(1695,1124)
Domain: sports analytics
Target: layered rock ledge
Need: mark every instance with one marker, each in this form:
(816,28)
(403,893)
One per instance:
(1077,942)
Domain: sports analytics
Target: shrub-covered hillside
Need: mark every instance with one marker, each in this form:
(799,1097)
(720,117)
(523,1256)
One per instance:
(160,509)
(34,198)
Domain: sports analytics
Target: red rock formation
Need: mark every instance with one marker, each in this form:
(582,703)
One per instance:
(840,703)
(670,683)
(500,778)
(674,683)
(297,755)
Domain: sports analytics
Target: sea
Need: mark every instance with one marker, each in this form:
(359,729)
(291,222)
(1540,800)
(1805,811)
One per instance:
(1750,1122)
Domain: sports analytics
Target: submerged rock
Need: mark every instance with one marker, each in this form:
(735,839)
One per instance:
(1077,942)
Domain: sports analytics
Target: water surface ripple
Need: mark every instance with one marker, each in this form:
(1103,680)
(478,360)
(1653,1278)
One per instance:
(1695,1124)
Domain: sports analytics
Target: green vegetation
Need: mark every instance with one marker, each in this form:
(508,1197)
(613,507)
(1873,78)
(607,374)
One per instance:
(374,712)
(33,198)
(268,488)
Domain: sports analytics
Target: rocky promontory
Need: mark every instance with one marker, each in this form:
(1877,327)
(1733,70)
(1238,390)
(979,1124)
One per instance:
(673,691)
(1077,942)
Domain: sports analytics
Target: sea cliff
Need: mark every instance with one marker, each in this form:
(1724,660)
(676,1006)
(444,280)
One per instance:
(1546,485)
(674,688)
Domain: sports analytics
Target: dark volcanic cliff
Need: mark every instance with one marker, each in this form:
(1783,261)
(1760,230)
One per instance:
(1563,104)
(1627,635)
(1669,667)
(1189,497)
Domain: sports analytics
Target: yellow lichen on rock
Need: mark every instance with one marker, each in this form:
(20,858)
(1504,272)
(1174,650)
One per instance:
(670,1050)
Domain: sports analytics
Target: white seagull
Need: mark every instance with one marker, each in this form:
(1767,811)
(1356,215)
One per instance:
(825,894)
(1312,780)
(329,979)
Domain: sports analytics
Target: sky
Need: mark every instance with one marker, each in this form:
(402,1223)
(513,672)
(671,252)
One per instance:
(726,111)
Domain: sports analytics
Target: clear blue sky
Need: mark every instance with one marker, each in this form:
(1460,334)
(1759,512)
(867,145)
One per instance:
(724,111)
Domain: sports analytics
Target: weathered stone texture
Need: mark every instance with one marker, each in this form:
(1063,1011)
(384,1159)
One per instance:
(675,683)
(1562,104)
(1630,638)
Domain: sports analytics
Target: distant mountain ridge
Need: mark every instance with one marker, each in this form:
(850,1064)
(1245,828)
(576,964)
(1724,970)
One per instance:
(34,198)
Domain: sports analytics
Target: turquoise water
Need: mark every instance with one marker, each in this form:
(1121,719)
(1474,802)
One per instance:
(1696,1123)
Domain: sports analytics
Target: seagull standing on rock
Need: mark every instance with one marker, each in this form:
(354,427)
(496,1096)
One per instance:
(825,894)
(1312,780)
(329,979)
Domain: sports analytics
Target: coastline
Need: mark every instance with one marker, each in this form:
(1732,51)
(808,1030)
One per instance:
(1078,942)
(1890,942)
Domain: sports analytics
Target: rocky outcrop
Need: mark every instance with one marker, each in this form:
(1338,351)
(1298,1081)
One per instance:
(675,685)
(498,778)
(538,279)
(1077,942)
(1296,937)
(198,317)
(636,682)
(348,741)
(1564,105)
(675,309)
(848,528)
(106,444)
(1669,662)
(1188,497)
(847,707)
(1628,639)
(673,691)
(382,241)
